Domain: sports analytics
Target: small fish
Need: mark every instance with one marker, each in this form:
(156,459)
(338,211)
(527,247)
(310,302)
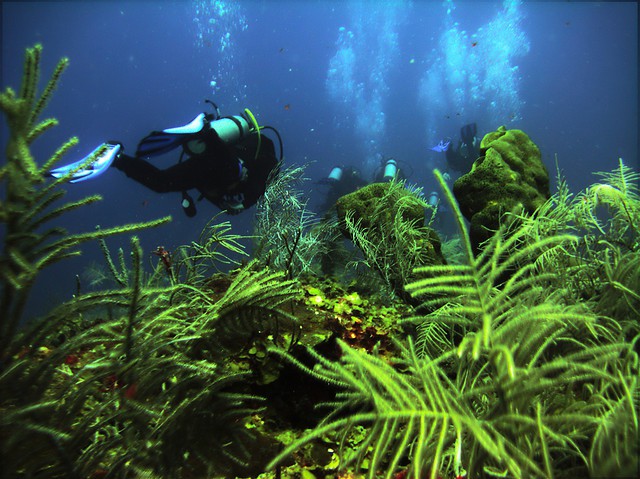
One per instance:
(441,147)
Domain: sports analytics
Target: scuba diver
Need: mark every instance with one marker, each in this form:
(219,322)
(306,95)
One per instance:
(226,159)
(461,158)
(341,180)
(387,171)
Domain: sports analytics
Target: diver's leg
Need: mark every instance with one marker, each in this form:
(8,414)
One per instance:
(179,177)
(468,133)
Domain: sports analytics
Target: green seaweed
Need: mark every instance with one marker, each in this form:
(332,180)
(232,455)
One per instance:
(31,203)
(289,237)
(386,222)
(117,381)
(511,378)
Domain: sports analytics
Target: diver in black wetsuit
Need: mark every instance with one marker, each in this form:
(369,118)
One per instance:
(342,180)
(227,160)
(387,171)
(461,158)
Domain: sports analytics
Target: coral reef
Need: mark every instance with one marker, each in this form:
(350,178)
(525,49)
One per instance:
(509,175)
(509,379)
(271,370)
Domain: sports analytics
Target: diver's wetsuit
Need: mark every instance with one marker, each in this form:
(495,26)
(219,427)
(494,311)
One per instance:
(461,158)
(216,172)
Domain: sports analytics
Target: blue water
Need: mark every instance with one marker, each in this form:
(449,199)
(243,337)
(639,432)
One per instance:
(344,83)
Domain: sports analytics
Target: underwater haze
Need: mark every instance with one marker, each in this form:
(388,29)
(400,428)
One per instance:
(344,83)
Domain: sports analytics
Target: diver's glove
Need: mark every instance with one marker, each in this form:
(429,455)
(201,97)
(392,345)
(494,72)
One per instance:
(232,204)
(102,157)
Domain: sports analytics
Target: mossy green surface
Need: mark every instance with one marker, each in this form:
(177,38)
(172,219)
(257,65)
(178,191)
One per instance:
(386,221)
(367,206)
(509,175)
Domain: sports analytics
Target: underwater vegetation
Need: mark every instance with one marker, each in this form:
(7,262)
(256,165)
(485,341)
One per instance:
(386,222)
(515,372)
(288,236)
(519,361)
(131,380)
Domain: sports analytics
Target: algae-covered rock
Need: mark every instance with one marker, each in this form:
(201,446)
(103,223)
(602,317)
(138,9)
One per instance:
(386,221)
(509,175)
(377,204)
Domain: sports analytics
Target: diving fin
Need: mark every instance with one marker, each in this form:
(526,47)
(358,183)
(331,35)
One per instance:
(102,156)
(160,142)
(195,126)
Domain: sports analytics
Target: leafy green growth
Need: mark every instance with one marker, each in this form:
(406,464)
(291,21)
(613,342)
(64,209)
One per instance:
(289,236)
(194,263)
(253,305)
(602,265)
(510,378)
(31,204)
(132,391)
(386,222)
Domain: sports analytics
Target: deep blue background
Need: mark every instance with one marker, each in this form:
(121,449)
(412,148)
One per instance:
(142,66)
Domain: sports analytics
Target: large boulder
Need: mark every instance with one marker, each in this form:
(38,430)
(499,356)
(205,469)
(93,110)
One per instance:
(508,176)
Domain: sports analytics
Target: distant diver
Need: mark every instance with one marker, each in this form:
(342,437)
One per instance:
(461,158)
(341,180)
(226,159)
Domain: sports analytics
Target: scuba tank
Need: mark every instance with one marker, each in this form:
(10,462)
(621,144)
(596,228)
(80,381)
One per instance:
(434,199)
(335,174)
(231,129)
(390,170)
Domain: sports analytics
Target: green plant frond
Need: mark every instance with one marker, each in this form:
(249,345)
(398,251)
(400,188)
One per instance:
(462,226)
(31,75)
(49,89)
(288,236)
(40,128)
(51,252)
(432,339)
(416,408)
(58,155)
(482,291)
(194,263)
(57,212)
(253,302)
(42,203)
(611,209)
(622,178)
(262,288)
